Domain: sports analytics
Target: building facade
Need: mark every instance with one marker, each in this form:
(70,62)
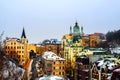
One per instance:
(32,47)
(71,45)
(96,39)
(82,68)
(52,45)
(17,48)
(37,48)
(53,64)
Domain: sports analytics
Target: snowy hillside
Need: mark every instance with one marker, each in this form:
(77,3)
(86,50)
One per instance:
(9,70)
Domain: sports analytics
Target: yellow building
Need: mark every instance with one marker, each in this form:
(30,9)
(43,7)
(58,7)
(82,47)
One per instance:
(72,44)
(96,39)
(32,47)
(17,48)
(40,49)
(85,40)
(70,53)
(37,48)
(54,64)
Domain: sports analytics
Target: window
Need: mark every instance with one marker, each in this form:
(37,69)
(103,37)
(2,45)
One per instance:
(54,62)
(87,73)
(14,43)
(49,65)
(8,47)
(59,73)
(62,73)
(53,73)
(18,47)
(22,59)
(63,67)
(86,79)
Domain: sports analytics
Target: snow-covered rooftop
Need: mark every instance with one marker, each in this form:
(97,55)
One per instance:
(51,77)
(51,56)
(107,62)
(117,70)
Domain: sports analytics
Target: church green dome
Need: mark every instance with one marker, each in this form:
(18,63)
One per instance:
(76,29)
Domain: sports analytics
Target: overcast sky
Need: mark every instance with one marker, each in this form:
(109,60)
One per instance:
(46,19)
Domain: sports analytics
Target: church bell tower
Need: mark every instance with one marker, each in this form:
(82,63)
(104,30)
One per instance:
(23,37)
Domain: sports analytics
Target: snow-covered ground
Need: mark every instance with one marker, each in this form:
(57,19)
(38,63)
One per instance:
(115,50)
(109,62)
(10,70)
(51,77)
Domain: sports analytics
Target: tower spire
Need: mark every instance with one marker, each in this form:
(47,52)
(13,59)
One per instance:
(70,30)
(23,34)
(82,30)
(76,23)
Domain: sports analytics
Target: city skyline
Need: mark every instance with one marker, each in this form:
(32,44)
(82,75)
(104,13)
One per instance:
(52,19)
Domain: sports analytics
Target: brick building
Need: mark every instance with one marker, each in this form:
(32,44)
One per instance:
(82,68)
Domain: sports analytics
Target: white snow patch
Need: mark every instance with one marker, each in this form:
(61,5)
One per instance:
(51,77)
(51,56)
